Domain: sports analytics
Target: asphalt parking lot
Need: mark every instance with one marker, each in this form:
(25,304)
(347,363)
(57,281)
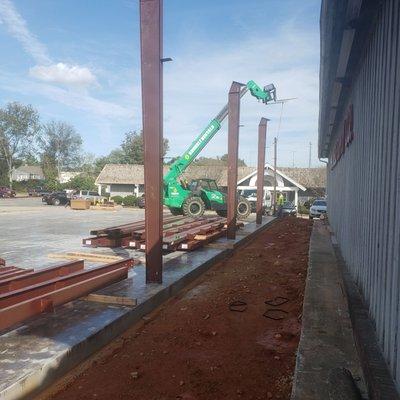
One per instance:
(30,230)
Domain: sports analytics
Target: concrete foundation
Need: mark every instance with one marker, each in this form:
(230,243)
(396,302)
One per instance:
(40,351)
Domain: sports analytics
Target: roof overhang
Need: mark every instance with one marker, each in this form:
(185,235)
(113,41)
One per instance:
(344,26)
(280,173)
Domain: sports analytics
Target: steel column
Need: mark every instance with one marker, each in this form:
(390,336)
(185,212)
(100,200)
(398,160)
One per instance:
(233,150)
(262,136)
(275,151)
(151,55)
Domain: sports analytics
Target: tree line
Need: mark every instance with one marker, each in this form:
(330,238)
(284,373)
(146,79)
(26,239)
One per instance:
(56,146)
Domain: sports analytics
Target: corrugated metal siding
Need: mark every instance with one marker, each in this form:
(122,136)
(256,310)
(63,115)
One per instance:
(364,186)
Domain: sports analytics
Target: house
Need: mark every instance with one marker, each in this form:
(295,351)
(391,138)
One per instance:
(313,179)
(27,173)
(126,179)
(284,184)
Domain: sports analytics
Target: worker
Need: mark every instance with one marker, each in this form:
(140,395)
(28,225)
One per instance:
(281,200)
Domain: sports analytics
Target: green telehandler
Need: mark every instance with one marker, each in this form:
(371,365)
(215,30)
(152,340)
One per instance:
(192,199)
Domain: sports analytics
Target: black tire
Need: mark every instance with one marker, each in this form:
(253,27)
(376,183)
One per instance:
(221,213)
(243,208)
(56,202)
(193,207)
(175,211)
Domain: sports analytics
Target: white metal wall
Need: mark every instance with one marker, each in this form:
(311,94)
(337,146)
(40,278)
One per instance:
(364,186)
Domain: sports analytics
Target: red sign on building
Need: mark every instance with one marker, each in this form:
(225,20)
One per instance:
(345,138)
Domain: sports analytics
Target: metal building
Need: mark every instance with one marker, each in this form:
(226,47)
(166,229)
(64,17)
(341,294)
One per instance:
(359,134)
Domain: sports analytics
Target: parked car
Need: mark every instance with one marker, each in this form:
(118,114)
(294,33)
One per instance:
(289,208)
(6,192)
(141,201)
(38,191)
(93,196)
(57,198)
(318,208)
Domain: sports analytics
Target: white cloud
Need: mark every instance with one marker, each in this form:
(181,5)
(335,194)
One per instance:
(63,73)
(197,82)
(46,70)
(17,27)
(75,99)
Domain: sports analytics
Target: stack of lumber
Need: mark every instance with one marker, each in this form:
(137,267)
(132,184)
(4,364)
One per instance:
(179,233)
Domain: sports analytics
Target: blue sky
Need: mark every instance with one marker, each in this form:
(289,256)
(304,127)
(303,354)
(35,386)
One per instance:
(79,61)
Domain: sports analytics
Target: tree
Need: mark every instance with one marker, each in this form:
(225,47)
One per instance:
(241,162)
(19,127)
(223,160)
(81,182)
(61,146)
(133,148)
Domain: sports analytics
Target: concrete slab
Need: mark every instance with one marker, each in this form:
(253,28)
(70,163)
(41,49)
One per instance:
(37,353)
(327,365)
(34,229)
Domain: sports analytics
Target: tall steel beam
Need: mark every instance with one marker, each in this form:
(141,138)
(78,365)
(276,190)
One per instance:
(233,153)
(151,55)
(262,137)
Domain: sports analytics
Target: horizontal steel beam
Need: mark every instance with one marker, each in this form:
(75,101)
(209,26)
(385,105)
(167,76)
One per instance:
(14,274)
(39,289)
(30,277)
(19,312)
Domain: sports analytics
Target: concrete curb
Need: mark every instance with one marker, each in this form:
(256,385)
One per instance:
(327,364)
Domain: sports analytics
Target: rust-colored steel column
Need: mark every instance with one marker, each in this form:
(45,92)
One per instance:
(262,136)
(151,55)
(233,153)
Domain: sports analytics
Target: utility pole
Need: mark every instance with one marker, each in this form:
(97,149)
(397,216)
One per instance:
(293,158)
(309,157)
(275,145)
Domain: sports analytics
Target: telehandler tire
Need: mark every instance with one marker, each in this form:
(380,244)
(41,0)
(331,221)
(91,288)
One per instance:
(193,207)
(243,208)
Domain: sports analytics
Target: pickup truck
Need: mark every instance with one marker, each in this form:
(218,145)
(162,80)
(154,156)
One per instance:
(93,196)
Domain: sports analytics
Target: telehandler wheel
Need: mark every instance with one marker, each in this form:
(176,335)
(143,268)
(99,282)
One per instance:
(175,211)
(193,207)
(243,208)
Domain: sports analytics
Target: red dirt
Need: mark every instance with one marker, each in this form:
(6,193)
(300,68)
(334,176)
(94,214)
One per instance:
(194,348)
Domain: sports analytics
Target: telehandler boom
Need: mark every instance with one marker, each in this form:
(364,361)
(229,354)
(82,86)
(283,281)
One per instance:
(201,194)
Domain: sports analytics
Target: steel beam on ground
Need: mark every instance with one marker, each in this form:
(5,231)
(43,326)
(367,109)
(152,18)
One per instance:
(19,312)
(151,55)
(31,277)
(262,136)
(233,153)
(15,272)
(20,294)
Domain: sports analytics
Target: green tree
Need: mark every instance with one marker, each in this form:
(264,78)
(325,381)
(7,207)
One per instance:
(224,159)
(133,148)
(61,146)
(19,127)
(81,182)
